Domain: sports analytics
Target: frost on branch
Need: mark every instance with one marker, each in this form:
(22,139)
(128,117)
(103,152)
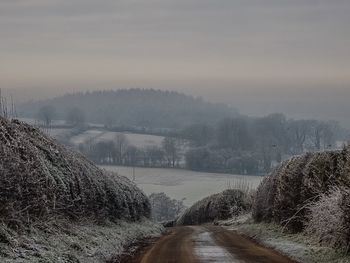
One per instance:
(41,179)
(221,206)
(328,218)
(309,193)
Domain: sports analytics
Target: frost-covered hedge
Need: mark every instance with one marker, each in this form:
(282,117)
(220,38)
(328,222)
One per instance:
(40,178)
(285,196)
(229,203)
(165,209)
(328,218)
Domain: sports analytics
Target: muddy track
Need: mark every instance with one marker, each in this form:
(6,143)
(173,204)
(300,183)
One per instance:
(207,244)
(174,247)
(245,249)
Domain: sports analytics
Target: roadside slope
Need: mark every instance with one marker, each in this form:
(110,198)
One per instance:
(309,193)
(48,192)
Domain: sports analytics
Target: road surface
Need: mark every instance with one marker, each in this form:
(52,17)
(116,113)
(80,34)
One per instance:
(207,244)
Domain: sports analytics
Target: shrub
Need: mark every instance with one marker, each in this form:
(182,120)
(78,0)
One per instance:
(227,204)
(40,178)
(283,197)
(164,208)
(326,219)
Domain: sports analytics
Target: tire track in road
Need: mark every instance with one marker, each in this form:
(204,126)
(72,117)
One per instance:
(173,248)
(207,250)
(207,244)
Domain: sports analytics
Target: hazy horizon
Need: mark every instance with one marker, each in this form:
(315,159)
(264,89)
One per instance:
(258,56)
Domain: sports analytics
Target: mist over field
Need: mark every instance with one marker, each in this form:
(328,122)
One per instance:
(183,130)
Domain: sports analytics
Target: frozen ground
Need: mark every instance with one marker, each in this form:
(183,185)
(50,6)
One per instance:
(56,132)
(179,183)
(138,140)
(299,247)
(208,244)
(69,242)
(86,136)
(208,251)
(33,121)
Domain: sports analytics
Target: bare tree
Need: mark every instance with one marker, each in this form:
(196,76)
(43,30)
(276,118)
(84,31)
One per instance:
(131,154)
(299,131)
(164,208)
(46,114)
(121,143)
(75,117)
(3,106)
(156,155)
(234,134)
(171,150)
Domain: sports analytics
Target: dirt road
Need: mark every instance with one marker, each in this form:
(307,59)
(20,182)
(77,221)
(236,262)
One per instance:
(207,244)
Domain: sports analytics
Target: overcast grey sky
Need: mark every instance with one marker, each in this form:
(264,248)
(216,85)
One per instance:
(222,49)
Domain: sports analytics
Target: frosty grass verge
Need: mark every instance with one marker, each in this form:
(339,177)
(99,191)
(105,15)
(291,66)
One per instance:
(299,247)
(77,243)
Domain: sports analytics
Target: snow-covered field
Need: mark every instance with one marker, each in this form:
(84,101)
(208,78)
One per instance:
(179,184)
(57,132)
(86,136)
(138,140)
(33,121)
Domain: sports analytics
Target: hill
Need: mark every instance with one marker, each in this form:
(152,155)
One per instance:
(135,107)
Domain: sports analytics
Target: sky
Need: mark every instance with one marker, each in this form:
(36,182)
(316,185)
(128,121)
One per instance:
(258,55)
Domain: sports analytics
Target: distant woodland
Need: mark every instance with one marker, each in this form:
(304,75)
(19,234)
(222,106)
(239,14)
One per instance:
(246,145)
(198,135)
(233,145)
(133,107)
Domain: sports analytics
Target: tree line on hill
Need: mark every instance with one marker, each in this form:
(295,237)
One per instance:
(132,107)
